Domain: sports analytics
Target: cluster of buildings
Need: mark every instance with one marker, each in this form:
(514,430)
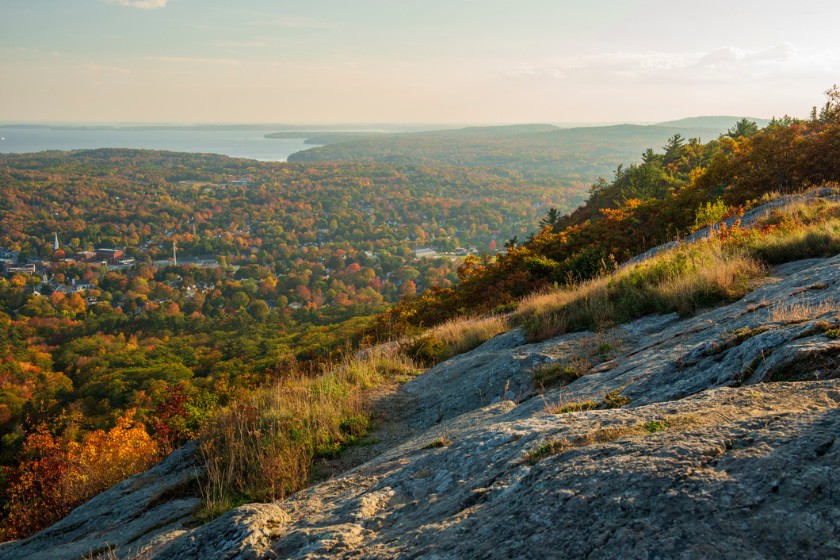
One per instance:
(75,287)
(114,258)
(431,253)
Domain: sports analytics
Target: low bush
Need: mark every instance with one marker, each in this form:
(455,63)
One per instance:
(556,374)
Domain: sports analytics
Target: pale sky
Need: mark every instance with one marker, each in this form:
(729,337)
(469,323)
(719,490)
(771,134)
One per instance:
(441,61)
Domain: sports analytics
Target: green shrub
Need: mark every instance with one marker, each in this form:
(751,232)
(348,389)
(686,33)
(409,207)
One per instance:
(578,407)
(543,267)
(556,374)
(614,400)
(654,426)
(710,214)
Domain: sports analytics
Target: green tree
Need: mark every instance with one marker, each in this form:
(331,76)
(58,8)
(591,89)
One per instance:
(645,182)
(743,129)
(674,147)
(258,310)
(239,300)
(598,187)
(551,218)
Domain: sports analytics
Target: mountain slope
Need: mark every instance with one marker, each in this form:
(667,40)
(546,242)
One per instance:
(579,154)
(727,471)
(721,123)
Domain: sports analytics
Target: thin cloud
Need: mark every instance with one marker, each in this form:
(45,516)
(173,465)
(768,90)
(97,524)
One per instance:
(223,61)
(144,4)
(296,21)
(105,69)
(723,63)
(29,50)
(257,43)
(525,71)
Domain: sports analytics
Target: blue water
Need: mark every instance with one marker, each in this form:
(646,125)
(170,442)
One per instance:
(235,143)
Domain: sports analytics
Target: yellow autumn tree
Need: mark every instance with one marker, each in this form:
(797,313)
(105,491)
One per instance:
(105,458)
(57,474)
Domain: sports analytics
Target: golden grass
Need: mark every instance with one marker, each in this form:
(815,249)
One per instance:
(684,279)
(110,553)
(681,281)
(456,336)
(466,333)
(263,449)
(561,407)
(803,208)
(802,311)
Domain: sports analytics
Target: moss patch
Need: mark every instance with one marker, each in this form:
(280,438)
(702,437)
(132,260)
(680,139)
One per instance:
(556,374)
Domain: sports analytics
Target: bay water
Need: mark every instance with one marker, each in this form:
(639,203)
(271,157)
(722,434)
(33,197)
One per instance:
(235,143)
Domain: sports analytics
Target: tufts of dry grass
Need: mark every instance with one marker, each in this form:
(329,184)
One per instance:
(562,406)
(466,333)
(262,449)
(798,311)
(455,337)
(681,281)
(606,435)
(685,279)
(110,553)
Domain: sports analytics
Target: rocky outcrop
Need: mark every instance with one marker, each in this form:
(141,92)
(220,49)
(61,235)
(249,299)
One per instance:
(730,473)
(725,447)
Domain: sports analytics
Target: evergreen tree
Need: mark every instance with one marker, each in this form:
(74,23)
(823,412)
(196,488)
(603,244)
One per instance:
(743,129)
(674,148)
(550,218)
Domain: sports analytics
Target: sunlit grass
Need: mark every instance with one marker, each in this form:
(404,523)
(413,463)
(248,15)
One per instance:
(262,449)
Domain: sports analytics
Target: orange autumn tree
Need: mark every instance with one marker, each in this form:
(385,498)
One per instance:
(57,474)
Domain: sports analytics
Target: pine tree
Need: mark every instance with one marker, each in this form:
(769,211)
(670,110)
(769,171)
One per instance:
(743,129)
(550,219)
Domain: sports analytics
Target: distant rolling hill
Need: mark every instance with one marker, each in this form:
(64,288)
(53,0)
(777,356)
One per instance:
(580,155)
(720,123)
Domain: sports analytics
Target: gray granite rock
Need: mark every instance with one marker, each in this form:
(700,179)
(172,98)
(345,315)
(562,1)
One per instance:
(742,473)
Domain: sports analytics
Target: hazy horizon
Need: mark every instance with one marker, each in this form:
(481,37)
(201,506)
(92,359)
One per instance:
(443,62)
(343,126)
(56,122)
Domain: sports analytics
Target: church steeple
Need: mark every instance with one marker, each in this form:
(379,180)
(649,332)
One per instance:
(55,244)
(174,254)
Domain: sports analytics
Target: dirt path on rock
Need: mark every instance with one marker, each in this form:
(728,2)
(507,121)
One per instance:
(391,406)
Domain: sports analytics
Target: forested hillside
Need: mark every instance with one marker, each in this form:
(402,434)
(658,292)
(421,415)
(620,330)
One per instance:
(102,329)
(668,195)
(576,156)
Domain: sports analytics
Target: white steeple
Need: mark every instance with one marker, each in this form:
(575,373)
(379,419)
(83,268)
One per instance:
(174,254)
(55,245)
